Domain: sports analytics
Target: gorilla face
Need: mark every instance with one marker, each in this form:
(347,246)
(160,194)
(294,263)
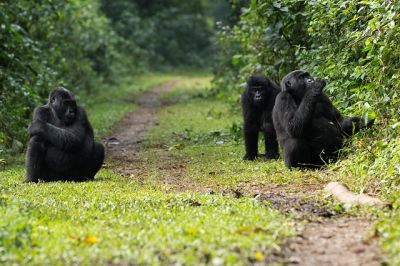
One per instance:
(258,95)
(62,102)
(70,112)
(257,85)
(297,83)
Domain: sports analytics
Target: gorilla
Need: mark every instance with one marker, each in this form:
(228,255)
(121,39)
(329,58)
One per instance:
(258,100)
(61,144)
(310,130)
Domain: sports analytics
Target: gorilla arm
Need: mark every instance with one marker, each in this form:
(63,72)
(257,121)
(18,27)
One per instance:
(68,138)
(250,128)
(349,125)
(295,118)
(41,115)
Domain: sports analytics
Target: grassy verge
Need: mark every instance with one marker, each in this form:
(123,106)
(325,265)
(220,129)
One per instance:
(120,220)
(112,220)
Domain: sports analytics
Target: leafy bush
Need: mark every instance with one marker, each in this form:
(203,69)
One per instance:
(352,43)
(264,40)
(43,45)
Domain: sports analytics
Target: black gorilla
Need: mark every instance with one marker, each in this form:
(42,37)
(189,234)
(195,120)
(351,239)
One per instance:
(310,130)
(61,145)
(258,100)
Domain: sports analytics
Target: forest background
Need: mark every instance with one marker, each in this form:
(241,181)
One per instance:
(93,46)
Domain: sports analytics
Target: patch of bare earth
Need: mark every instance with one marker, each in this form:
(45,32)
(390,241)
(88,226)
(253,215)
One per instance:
(326,239)
(125,141)
(331,241)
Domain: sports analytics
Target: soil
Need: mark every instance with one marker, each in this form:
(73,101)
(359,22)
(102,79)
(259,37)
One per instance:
(331,241)
(326,239)
(125,141)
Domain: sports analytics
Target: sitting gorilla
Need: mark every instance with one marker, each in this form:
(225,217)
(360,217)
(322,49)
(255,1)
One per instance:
(310,130)
(258,100)
(61,145)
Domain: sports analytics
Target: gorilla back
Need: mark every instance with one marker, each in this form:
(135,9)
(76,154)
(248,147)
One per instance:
(61,145)
(258,100)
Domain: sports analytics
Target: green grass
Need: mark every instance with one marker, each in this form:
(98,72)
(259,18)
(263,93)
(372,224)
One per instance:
(113,220)
(177,208)
(388,227)
(119,220)
(204,132)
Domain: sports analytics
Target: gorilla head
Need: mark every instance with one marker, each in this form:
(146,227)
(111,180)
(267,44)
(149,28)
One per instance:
(258,88)
(62,102)
(298,82)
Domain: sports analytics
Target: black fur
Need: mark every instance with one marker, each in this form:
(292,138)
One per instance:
(310,130)
(61,145)
(258,100)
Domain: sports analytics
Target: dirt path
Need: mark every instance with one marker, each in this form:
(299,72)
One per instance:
(327,239)
(331,241)
(123,144)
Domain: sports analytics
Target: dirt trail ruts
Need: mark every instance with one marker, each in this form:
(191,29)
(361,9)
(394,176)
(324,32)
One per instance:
(331,241)
(327,239)
(125,140)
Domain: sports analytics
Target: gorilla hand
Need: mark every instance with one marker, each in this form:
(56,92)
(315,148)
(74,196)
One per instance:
(36,128)
(317,86)
(366,122)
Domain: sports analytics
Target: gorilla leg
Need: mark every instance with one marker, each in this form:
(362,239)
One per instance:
(351,125)
(251,131)
(35,155)
(95,161)
(297,153)
(78,167)
(271,144)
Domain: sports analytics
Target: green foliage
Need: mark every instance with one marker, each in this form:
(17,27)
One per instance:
(264,40)
(43,45)
(388,227)
(352,43)
(170,33)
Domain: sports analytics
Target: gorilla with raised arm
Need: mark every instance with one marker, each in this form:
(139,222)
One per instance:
(258,100)
(310,130)
(61,144)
